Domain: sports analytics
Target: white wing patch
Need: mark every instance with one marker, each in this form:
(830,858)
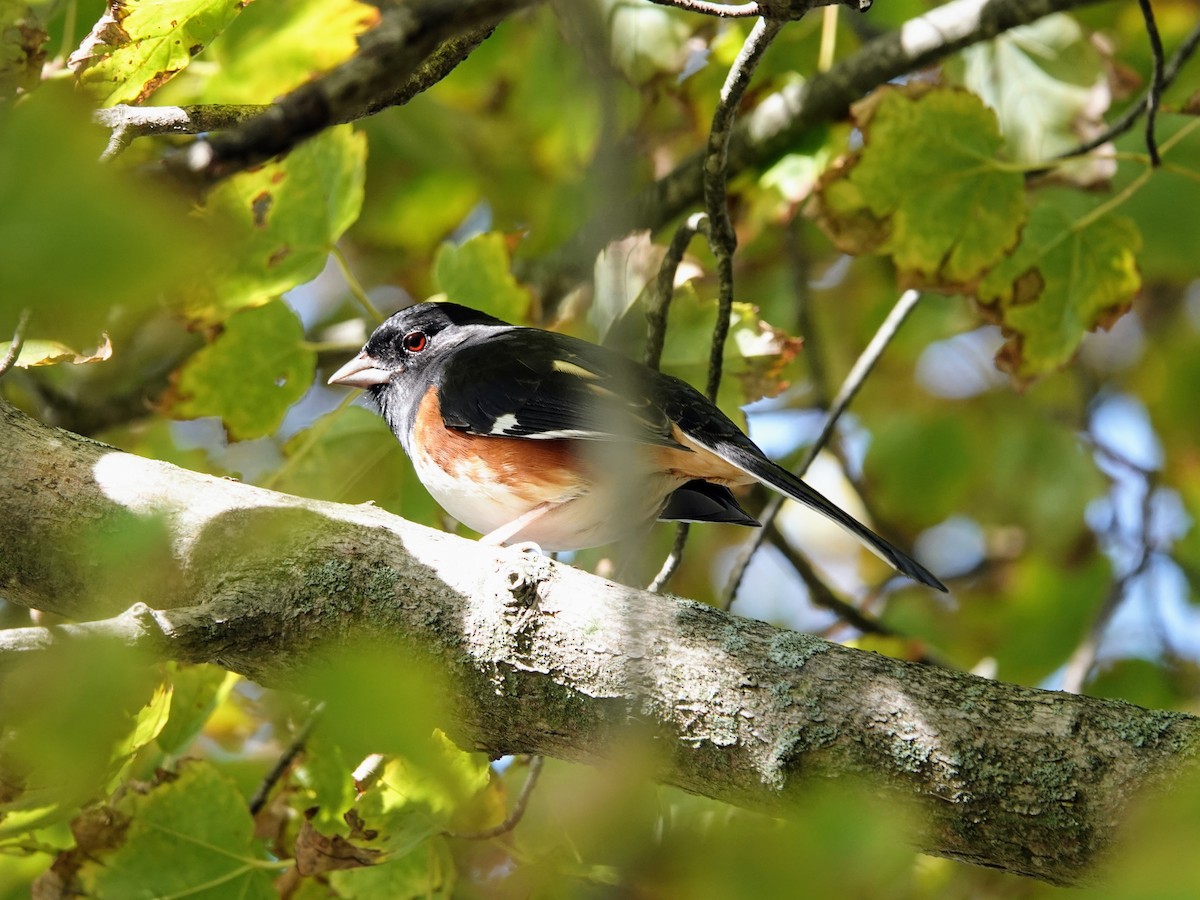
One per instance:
(504,424)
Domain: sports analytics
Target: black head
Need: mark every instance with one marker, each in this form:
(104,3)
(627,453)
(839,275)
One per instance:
(410,340)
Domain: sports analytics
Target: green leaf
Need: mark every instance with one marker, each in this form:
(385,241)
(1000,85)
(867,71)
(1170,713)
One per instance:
(250,375)
(622,272)
(1168,252)
(36,352)
(759,360)
(478,273)
(409,807)
(148,723)
(926,187)
(272,48)
(199,822)
(351,456)
(425,874)
(327,776)
(22,47)
(102,694)
(646,40)
(1047,83)
(197,691)
(282,219)
(78,239)
(139,45)
(1069,275)
(926,466)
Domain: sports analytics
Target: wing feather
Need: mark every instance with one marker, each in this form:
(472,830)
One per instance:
(535,384)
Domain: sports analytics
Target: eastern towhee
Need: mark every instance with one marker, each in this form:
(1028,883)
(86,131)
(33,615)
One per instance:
(525,434)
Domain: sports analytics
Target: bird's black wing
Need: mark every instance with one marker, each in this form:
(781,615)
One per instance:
(528,383)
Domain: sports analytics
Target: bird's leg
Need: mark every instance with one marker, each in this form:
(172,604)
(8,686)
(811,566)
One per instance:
(506,533)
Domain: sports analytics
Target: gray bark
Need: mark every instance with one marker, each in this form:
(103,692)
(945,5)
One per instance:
(543,658)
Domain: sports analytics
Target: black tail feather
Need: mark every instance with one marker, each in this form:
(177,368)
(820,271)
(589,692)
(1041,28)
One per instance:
(784,481)
(703,501)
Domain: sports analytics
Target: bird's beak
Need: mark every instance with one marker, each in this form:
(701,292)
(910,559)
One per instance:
(361,372)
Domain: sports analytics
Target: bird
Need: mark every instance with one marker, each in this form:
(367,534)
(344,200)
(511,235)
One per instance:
(527,435)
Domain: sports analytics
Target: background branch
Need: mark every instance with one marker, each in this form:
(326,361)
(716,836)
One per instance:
(850,387)
(1126,120)
(780,120)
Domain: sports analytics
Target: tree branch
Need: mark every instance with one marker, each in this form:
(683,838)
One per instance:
(412,46)
(721,236)
(543,658)
(780,120)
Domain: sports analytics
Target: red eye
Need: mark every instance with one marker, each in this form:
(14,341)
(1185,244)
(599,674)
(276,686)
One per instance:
(415,341)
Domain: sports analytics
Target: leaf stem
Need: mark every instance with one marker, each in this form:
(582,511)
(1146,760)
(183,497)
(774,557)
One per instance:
(356,288)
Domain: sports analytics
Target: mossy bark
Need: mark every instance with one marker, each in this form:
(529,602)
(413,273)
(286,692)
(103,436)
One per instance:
(543,658)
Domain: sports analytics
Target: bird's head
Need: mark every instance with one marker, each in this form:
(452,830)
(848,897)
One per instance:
(409,342)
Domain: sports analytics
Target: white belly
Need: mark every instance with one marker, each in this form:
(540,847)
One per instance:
(607,508)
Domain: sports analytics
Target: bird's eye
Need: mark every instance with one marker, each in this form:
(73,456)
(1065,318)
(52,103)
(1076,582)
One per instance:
(415,341)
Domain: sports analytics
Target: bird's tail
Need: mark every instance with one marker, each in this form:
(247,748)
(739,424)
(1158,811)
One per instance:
(782,480)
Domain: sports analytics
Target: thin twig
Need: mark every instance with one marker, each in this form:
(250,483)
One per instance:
(1127,119)
(671,563)
(664,288)
(356,288)
(1154,96)
(797,254)
(722,10)
(819,593)
(518,810)
(656,334)
(722,237)
(850,387)
(14,349)
(259,800)
(130,122)
(1082,661)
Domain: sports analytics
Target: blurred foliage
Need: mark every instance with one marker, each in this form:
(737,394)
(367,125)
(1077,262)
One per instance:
(985,435)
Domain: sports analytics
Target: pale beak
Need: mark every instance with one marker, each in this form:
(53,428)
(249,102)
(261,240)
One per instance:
(361,372)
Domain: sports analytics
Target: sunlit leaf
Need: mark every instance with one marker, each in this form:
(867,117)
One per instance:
(760,360)
(478,274)
(199,821)
(197,690)
(272,48)
(138,45)
(256,368)
(100,689)
(281,219)
(646,40)
(148,723)
(48,353)
(1069,275)
(622,272)
(925,188)
(1047,83)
